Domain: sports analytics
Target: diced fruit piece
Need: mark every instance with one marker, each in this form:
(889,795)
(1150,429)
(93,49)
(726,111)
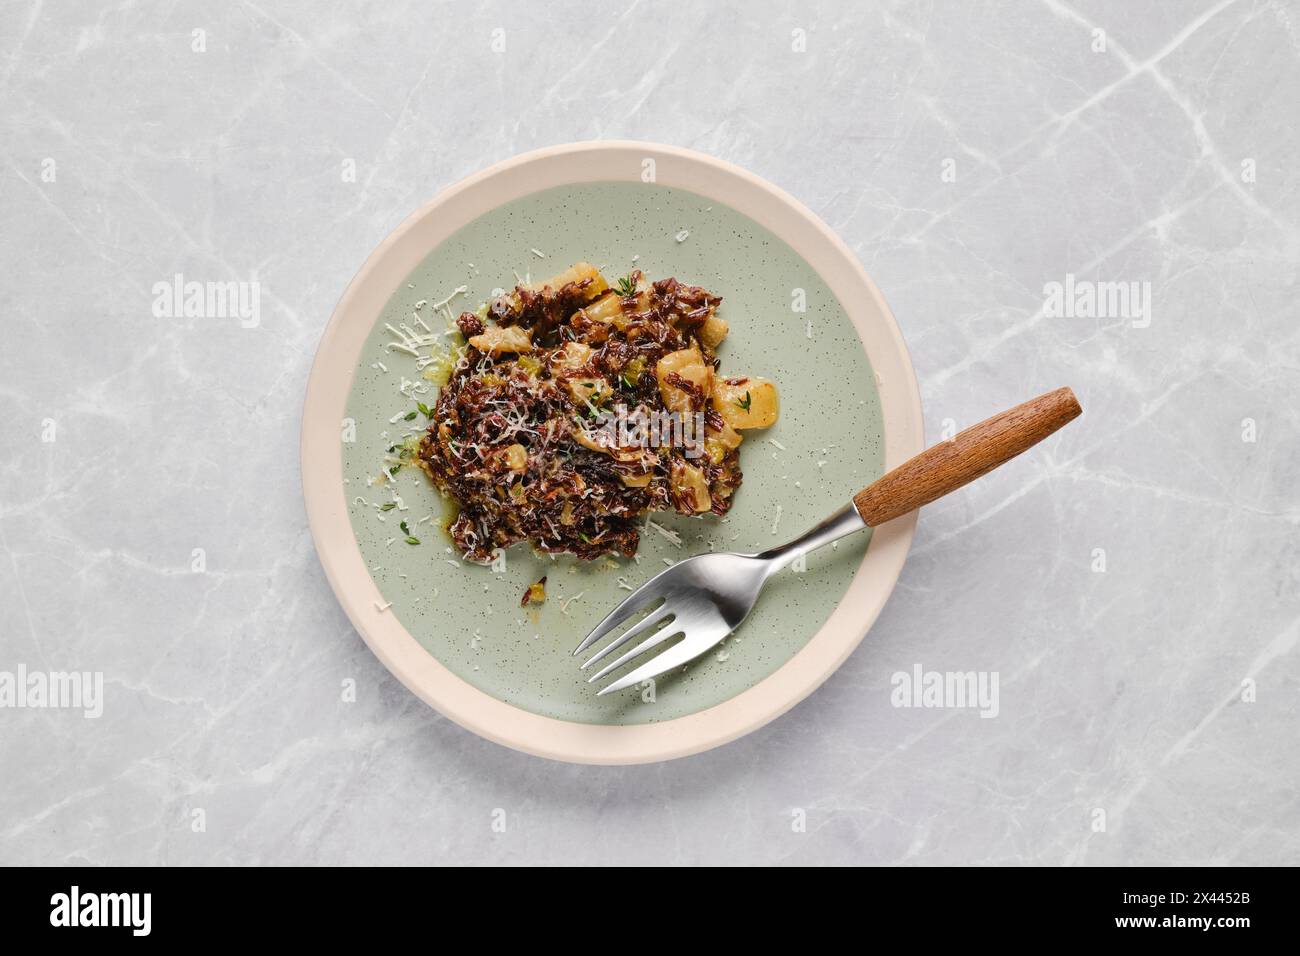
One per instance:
(588,440)
(573,355)
(719,441)
(499,339)
(516,457)
(689,365)
(636,481)
(587,391)
(713,331)
(690,486)
(746,402)
(576,273)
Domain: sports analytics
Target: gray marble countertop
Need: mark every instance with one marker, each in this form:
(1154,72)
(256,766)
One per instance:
(1132,584)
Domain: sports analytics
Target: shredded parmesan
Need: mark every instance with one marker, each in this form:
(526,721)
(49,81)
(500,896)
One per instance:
(459,290)
(564,608)
(672,536)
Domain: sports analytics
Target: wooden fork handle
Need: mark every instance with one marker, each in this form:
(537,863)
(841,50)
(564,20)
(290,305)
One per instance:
(960,460)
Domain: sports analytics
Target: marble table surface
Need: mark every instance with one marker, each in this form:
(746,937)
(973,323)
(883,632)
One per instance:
(999,168)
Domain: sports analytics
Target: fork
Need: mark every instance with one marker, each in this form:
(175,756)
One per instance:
(704,598)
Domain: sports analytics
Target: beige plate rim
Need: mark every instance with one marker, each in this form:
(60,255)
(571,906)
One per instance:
(330,382)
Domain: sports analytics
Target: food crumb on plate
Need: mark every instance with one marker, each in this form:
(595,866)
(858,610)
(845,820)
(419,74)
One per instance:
(565,606)
(535,593)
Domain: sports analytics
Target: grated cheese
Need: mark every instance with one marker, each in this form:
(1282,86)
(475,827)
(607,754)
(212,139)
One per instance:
(459,290)
(672,536)
(564,608)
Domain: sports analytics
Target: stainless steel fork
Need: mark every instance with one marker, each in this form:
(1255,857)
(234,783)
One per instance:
(704,598)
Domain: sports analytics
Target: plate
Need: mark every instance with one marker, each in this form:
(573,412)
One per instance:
(802,312)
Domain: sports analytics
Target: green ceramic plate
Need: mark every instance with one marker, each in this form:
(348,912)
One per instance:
(787,324)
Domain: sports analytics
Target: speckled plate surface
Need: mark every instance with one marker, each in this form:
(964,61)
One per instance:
(801,312)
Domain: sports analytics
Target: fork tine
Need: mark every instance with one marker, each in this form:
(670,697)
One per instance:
(651,621)
(675,656)
(634,602)
(653,640)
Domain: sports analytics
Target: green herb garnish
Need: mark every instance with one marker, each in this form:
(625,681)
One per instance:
(626,286)
(745,402)
(392,472)
(409,416)
(405,529)
(411,539)
(425,409)
(388,506)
